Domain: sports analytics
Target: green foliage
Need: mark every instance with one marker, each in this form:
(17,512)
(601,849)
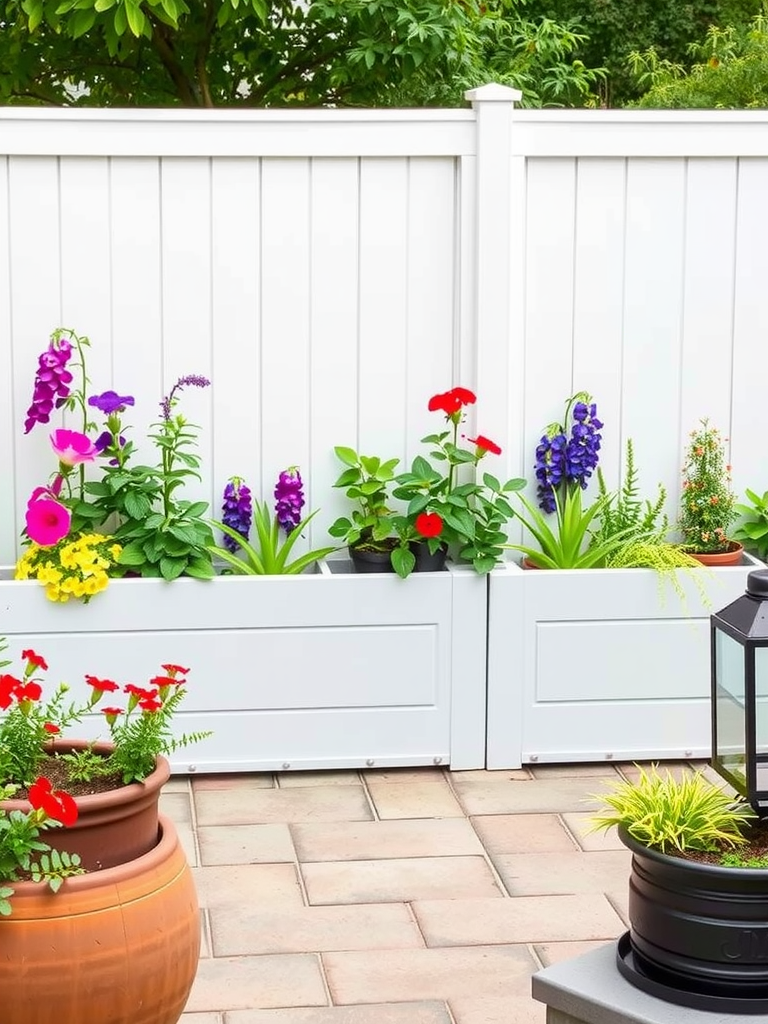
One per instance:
(613,29)
(666,813)
(734,859)
(753,529)
(270,558)
(366,481)
(625,510)
(729,70)
(569,545)
(707,504)
(23,733)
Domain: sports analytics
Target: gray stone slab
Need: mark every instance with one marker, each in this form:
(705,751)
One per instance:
(589,989)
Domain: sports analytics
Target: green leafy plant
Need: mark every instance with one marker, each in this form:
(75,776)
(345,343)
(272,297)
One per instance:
(271,556)
(707,503)
(753,529)
(625,509)
(366,481)
(734,859)
(666,813)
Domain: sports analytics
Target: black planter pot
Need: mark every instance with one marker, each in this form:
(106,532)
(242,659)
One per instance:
(425,560)
(699,932)
(371,561)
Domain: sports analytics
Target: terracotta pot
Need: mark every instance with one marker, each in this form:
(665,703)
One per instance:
(118,946)
(732,556)
(528,564)
(113,827)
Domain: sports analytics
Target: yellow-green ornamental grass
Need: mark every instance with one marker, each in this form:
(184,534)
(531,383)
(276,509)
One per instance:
(72,568)
(666,813)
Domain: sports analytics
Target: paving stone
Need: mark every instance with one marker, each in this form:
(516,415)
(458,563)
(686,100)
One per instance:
(529,919)
(247,781)
(427,798)
(495,1010)
(264,884)
(379,840)
(300,780)
(432,1012)
(252,928)
(261,806)
(245,844)
(400,775)
(501,796)
(187,839)
(451,973)
(398,880)
(256,982)
(555,952)
(483,774)
(177,806)
(581,825)
(201,1018)
(551,874)
(523,833)
(587,770)
(178,784)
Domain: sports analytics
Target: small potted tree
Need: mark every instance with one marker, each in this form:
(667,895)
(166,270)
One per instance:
(707,503)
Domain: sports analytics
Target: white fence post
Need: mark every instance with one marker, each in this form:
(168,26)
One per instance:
(493,106)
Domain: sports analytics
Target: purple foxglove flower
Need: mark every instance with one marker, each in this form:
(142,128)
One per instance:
(289,499)
(193,380)
(237,511)
(563,459)
(109,402)
(52,380)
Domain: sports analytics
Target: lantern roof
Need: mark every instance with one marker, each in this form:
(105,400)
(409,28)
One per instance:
(748,615)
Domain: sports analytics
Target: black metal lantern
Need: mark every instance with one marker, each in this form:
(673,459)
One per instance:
(740,692)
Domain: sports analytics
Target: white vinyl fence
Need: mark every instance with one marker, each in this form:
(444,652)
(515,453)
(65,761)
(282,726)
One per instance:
(330,270)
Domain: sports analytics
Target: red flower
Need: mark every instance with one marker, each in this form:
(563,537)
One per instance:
(175,670)
(429,524)
(102,685)
(451,401)
(29,691)
(51,728)
(165,681)
(55,802)
(9,686)
(485,444)
(150,704)
(140,692)
(111,713)
(35,660)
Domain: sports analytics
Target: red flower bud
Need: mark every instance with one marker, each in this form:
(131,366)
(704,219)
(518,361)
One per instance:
(485,444)
(34,660)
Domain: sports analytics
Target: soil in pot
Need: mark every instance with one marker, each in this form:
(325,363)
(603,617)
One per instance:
(732,556)
(366,558)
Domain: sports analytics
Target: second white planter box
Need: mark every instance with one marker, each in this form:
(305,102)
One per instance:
(327,670)
(600,664)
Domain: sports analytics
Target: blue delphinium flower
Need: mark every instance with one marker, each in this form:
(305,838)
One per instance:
(289,499)
(237,511)
(563,458)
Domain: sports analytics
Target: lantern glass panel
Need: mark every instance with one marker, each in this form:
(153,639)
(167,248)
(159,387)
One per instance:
(730,747)
(761,717)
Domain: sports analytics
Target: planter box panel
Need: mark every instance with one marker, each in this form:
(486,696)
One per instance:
(589,664)
(630,654)
(323,670)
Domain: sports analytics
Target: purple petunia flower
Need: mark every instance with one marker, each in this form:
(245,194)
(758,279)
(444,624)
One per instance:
(237,511)
(289,499)
(52,381)
(109,402)
(192,379)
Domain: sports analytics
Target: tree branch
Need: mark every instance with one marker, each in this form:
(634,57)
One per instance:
(165,51)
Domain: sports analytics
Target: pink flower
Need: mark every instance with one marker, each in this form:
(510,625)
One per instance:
(72,447)
(48,521)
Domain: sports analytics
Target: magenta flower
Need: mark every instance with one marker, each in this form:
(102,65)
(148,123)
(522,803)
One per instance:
(72,447)
(48,521)
(52,381)
(109,402)
(237,511)
(289,499)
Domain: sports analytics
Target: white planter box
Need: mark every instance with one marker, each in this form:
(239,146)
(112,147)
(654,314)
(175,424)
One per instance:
(324,670)
(600,664)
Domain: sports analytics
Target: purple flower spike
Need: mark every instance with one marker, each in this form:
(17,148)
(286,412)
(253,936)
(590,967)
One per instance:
(563,459)
(109,402)
(237,511)
(289,499)
(194,380)
(52,381)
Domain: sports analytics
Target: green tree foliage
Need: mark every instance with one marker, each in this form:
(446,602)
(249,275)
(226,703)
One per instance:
(730,71)
(616,28)
(205,53)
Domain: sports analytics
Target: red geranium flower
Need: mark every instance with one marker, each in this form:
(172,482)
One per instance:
(175,670)
(485,444)
(35,660)
(8,688)
(29,691)
(451,401)
(52,729)
(55,802)
(150,704)
(103,685)
(429,524)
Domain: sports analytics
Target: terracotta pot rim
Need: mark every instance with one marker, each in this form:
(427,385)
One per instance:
(168,841)
(111,797)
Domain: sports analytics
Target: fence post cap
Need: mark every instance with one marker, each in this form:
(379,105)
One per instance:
(493,93)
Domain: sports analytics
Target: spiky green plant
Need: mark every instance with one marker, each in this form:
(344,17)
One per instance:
(666,813)
(625,510)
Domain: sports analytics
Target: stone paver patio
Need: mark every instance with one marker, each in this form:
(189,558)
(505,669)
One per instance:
(394,897)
